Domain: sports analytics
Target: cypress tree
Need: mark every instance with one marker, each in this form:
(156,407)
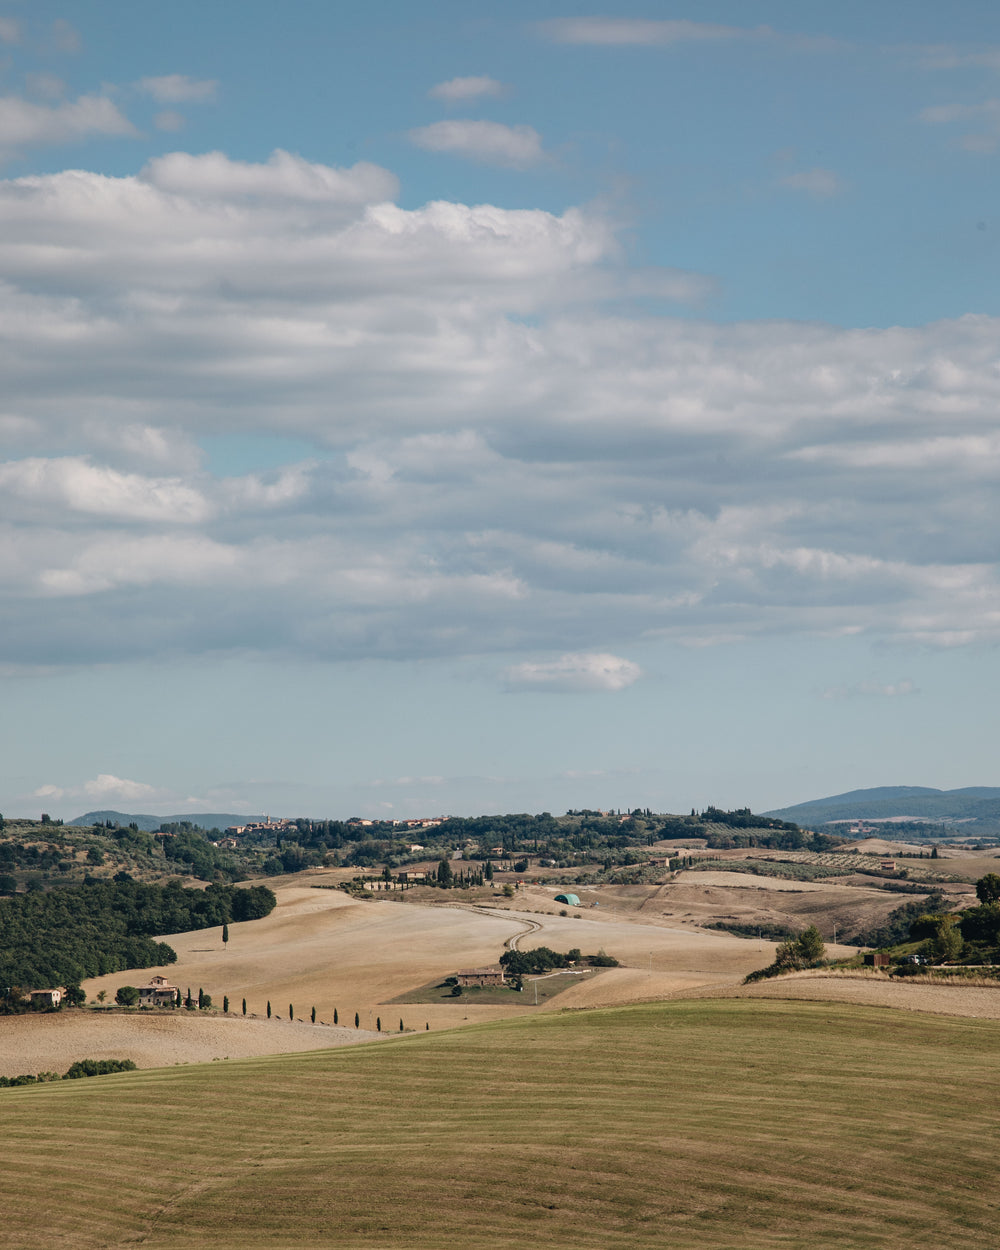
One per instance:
(357,1021)
(336,1018)
(225,1004)
(401,1026)
(378,1024)
(201,998)
(225,935)
(291,1013)
(268,1009)
(244,1006)
(314,1015)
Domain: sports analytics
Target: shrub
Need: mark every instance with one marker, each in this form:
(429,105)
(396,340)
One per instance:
(98,1067)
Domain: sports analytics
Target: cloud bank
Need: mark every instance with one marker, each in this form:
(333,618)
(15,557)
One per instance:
(502,460)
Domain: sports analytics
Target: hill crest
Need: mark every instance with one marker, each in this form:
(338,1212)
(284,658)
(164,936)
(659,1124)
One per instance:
(204,820)
(976,809)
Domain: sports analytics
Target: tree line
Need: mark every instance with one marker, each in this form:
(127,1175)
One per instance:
(68,934)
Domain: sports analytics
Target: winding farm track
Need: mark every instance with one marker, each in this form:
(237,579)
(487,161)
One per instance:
(533,927)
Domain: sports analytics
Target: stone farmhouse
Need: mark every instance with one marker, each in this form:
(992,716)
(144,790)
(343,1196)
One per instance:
(481,977)
(158,993)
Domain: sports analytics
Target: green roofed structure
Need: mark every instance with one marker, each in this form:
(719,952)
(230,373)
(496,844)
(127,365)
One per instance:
(568,898)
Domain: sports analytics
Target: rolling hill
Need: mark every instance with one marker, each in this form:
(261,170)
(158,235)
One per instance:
(977,808)
(204,820)
(695,1125)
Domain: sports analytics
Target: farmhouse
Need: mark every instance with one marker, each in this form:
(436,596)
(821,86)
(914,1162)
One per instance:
(47,998)
(158,993)
(481,977)
(412,876)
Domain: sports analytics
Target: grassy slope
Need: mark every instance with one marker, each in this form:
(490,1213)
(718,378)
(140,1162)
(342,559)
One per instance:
(698,1124)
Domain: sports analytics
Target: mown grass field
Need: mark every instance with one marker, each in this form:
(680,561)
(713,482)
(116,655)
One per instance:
(543,988)
(685,1124)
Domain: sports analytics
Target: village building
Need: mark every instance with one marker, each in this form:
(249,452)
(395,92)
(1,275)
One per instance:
(481,977)
(408,876)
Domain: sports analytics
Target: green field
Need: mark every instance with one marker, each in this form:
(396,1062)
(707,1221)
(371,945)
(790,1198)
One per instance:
(687,1124)
(543,988)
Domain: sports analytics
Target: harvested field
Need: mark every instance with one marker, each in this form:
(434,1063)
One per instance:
(971,1001)
(748,881)
(700,898)
(694,1125)
(323,949)
(50,1043)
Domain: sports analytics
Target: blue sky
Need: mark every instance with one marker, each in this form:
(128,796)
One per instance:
(419,409)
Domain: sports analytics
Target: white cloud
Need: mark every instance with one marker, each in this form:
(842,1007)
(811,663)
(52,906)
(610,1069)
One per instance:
(169,120)
(573,673)
(74,483)
(283,177)
(104,787)
(456,90)
(645,32)
(943,113)
(973,454)
(107,786)
(621,31)
(492,143)
(178,89)
(951,56)
(10,30)
(872,689)
(24,124)
(818,182)
(102,563)
(65,37)
(48,86)
(987,112)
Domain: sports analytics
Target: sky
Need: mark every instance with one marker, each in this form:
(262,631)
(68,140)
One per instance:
(456,408)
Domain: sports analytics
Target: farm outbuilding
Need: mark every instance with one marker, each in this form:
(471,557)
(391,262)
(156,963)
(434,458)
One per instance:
(568,898)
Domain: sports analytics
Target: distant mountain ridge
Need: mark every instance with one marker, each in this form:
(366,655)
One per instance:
(977,807)
(204,820)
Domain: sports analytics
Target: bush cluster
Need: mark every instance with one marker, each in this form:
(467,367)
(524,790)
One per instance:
(83,1067)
